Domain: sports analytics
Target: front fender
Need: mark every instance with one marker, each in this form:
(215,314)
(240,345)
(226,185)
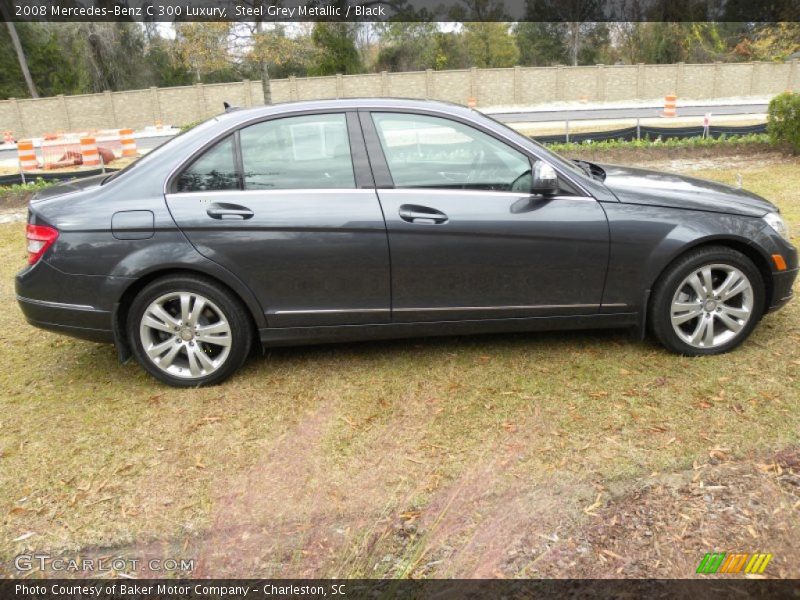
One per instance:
(646,239)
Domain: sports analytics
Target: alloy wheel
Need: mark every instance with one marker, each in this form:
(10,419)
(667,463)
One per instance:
(712,305)
(185,335)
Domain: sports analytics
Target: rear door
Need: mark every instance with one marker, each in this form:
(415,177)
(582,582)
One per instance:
(289,205)
(468,239)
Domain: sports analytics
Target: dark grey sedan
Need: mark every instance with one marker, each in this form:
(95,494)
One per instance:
(363,219)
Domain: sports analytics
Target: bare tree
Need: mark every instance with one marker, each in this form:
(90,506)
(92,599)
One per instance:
(574,41)
(263,67)
(23,62)
(258,31)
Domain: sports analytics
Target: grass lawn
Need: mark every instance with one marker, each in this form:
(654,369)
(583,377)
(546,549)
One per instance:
(505,455)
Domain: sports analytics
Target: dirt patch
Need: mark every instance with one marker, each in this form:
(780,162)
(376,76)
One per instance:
(494,515)
(664,526)
(287,518)
(683,159)
(687,166)
(13,201)
(295,514)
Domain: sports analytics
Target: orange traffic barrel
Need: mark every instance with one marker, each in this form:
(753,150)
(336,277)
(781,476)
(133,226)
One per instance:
(89,152)
(8,137)
(472,102)
(27,155)
(670,105)
(128,143)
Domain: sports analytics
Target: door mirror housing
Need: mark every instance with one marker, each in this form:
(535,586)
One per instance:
(545,179)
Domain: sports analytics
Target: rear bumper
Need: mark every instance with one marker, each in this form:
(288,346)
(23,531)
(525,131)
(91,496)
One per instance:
(67,304)
(76,320)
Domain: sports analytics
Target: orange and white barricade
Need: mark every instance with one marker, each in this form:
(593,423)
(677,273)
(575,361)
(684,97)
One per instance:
(27,155)
(8,137)
(61,153)
(670,105)
(128,142)
(89,152)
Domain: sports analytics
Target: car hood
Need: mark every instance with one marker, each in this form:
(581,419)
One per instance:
(654,188)
(69,187)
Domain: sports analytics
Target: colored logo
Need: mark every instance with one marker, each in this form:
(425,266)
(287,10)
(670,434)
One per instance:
(720,562)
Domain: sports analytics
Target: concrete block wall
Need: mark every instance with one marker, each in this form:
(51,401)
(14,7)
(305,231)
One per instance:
(489,87)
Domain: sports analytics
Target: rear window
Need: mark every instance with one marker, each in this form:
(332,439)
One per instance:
(305,152)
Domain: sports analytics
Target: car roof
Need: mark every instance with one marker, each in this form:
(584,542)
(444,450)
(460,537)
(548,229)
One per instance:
(240,113)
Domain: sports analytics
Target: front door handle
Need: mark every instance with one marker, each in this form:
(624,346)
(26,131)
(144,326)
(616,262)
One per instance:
(223,210)
(422,214)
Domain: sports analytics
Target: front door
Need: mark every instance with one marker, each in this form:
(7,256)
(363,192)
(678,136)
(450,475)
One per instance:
(280,204)
(467,238)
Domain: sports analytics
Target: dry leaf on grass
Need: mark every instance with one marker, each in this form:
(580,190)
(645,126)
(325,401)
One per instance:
(589,510)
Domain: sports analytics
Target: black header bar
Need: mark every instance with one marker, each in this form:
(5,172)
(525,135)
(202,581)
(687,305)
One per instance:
(401,10)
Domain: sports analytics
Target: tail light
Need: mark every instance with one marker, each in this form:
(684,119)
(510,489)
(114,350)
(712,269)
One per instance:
(40,238)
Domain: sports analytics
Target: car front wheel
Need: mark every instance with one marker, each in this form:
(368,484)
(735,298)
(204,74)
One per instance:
(707,302)
(188,331)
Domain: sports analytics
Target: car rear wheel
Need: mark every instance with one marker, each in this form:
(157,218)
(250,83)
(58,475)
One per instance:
(188,331)
(708,302)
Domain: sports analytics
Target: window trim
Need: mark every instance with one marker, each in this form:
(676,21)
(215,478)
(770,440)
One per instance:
(362,171)
(380,166)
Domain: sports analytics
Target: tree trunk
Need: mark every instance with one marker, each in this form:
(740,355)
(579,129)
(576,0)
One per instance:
(262,64)
(574,42)
(23,62)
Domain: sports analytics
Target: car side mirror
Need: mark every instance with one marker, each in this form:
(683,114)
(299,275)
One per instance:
(545,179)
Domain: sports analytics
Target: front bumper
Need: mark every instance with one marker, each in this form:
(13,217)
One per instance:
(783,281)
(782,292)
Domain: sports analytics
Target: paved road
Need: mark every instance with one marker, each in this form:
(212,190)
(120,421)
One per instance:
(573,114)
(577,114)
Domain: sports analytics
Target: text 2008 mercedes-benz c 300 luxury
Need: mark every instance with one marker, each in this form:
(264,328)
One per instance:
(362,219)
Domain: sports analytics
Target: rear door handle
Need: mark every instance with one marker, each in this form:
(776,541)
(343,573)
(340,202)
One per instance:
(223,210)
(422,214)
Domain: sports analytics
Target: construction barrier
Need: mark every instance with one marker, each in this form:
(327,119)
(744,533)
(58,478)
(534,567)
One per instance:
(89,152)
(128,142)
(27,155)
(8,137)
(670,106)
(57,154)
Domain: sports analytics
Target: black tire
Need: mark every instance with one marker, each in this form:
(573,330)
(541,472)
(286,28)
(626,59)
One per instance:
(220,307)
(665,290)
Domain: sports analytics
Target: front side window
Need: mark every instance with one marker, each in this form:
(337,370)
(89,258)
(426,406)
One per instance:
(304,152)
(433,152)
(214,170)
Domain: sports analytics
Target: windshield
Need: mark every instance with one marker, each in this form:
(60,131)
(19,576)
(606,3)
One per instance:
(158,151)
